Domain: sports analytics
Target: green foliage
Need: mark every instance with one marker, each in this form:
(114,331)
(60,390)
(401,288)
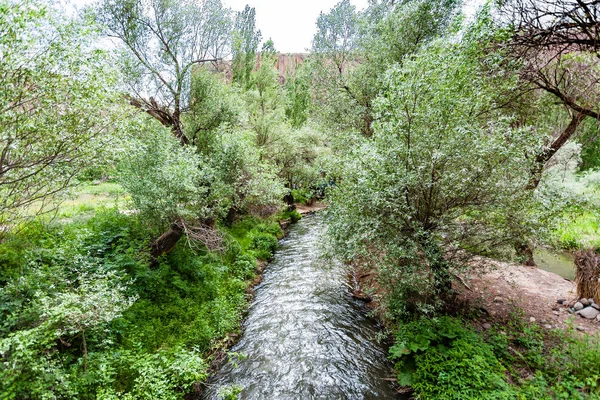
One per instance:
(83,315)
(293,215)
(297,90)
(251,185)
(213,103)
(49,63)
(167,181)
(303,196)
(230,392)
(263,244)
(442,359)
(245,44)
(434,173)
(560,363)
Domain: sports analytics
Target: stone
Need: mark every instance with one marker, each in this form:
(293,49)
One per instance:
(591,301)
(561,301)
(555,312)
(487,325)
(548,326)
(588,313)
(580,328)
(598,318)
(531,319)
(578,306)
(596,306)
(585,302)
(498,299)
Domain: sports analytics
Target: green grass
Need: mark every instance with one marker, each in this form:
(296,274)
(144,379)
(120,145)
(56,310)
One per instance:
(578,231)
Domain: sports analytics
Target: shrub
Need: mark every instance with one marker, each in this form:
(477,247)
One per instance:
(442,359)
(263,244)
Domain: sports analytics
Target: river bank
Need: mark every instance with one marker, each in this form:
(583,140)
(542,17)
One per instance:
(509,286)
(510,332)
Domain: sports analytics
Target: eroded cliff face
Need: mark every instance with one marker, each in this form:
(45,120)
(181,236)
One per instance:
(286,64)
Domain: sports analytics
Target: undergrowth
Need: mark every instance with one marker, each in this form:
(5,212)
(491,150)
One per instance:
(445,358)
(83,315)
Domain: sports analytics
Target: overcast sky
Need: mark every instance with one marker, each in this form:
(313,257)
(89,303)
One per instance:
(290,23)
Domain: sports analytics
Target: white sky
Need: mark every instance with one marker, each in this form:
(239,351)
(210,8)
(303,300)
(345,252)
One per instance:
(290,23)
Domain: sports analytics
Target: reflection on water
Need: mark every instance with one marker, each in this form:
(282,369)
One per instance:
(305,337)
(562,264)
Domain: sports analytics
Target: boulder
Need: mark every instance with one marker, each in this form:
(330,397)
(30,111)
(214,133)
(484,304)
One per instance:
(588,313)
(585,302)
(578,306)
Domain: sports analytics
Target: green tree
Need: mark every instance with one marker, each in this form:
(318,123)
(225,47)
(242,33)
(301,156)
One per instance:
(352,51)
(245,44)
(58,107)
(164,40)
(441,166)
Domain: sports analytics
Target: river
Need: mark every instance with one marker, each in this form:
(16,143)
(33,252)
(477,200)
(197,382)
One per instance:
(305,337)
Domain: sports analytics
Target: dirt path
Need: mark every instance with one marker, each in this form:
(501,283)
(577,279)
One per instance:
(304,209)
(533,290)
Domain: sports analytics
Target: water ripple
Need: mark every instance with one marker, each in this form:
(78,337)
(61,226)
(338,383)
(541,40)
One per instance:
(305,337)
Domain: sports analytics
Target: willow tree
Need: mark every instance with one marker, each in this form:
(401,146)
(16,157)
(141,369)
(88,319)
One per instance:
(442,166)
(555,43)
(58,107)
(164,40)
(244,47)
(352,50)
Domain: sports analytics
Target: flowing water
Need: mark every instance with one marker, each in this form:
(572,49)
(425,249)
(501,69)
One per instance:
(305,337)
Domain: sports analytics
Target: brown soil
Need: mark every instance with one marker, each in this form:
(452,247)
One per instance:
(509,286)
(304,209)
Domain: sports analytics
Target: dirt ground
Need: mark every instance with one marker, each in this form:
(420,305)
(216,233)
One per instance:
(303,209)
(533,290)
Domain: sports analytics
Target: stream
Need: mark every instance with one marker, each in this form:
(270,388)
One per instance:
(305,337)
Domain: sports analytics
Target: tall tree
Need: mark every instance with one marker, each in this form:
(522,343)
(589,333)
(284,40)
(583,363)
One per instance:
(245,45)
(164,41)
(57,106)
(352,51)
(557,45)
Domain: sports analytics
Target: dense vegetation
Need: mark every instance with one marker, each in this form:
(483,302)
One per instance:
(149,150)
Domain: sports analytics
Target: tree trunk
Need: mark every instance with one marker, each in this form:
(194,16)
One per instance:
(545,156)
(289,200)
(525,252)
(230,219)
(166,242)
(168,118)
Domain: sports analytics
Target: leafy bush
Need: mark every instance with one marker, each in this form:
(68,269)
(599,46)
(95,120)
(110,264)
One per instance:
(263,244)
(442,359)
(445,359)
(84,316)
(302,196)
